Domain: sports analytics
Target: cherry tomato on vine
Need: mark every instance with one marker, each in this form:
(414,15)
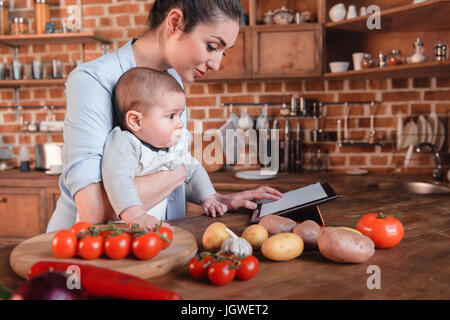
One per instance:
(64,244)
(147,246)
(385,231)
(117,246)
(81,226)
(198,268)
(105,234)
(166,232)
(90,247)
(221,272)
(248,269)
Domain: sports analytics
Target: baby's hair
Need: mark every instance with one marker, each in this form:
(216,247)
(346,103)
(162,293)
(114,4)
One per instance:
(139,88)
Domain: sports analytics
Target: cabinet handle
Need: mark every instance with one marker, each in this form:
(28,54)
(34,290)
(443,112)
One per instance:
(3,200)
(288,65)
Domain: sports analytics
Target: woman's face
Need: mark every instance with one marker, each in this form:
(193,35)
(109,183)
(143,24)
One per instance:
(195,53)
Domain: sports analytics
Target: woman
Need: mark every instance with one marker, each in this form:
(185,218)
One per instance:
(187,38)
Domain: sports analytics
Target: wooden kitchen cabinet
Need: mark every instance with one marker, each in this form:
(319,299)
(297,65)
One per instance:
(27,202)
(23,212)
(401,23)
(53,195)
(287,51)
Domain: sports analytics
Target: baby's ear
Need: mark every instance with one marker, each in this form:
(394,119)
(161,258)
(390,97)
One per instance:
(133,120)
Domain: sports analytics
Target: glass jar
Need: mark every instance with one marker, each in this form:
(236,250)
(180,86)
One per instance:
(3,18)
(394,58)
(15,30)
(41,15)
(367,61)
(23,25)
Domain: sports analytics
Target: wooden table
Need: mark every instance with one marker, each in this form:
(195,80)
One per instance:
(416,269)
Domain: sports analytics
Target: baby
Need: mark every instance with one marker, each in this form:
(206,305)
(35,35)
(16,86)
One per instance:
(149,138)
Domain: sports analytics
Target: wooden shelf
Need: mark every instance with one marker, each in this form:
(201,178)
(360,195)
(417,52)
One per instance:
(427,16)
(425,69)
(31,83)
(52,38)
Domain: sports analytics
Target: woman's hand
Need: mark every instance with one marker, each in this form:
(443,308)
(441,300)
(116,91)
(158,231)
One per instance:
(244,199)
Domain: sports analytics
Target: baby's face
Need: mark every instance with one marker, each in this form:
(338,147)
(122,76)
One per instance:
(162,125)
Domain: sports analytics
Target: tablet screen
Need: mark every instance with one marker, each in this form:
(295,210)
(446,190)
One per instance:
(294,198)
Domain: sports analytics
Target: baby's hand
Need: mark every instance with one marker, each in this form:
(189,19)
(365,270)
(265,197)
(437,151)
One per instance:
(211,206)
(142,219)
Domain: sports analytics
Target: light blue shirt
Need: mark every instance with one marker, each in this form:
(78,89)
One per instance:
(89,119)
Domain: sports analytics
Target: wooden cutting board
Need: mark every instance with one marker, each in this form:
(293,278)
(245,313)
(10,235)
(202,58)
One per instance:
(181,250)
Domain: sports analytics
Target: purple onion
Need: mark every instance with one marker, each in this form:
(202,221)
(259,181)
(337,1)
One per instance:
(48,286)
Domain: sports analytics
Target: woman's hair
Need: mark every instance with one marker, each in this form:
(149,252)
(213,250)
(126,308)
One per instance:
(195,11)
(139,89)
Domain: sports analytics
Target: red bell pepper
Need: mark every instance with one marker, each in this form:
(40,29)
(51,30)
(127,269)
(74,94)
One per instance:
(101,282)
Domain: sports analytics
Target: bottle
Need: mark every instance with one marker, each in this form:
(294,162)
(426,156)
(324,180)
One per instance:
(23,25)
(394,58)
(15,29)
(24,158)
(41,14)
(381,59)
(3,18)
(419,52)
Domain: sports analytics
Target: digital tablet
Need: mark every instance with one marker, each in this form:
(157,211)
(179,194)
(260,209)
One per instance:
(295,200)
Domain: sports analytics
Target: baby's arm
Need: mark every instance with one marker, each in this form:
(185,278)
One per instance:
(197,179)
(120,160)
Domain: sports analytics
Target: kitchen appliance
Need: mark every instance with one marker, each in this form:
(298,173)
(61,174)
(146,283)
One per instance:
(47,155)
(5,155)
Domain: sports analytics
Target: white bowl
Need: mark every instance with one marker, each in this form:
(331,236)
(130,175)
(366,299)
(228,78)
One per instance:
(339,66)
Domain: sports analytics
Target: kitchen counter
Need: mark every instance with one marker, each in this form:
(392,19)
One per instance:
(416,269)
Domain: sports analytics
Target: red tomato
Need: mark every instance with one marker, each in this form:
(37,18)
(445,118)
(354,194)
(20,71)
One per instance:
(117,247)
(198,268)
(90,247)
(248,269)
(105,234)
(80,227)
(166,232)
(64,244)
(220,272)
(147,246)
(385,231)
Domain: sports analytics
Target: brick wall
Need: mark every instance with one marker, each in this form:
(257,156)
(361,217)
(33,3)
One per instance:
(118,20)
(413,97)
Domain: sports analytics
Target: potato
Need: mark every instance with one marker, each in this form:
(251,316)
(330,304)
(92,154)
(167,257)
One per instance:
(282,247)
(340,245)
(276,224)
(308,231)
(350,229)
(214,236)
(255,235)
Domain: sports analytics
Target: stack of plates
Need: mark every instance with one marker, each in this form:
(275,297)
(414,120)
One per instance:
(431,131)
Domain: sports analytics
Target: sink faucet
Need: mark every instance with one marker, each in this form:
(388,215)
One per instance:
(438,173)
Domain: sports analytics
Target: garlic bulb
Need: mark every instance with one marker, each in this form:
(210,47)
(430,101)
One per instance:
(237,245)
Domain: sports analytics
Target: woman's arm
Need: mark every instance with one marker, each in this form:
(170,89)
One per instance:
(94,207)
